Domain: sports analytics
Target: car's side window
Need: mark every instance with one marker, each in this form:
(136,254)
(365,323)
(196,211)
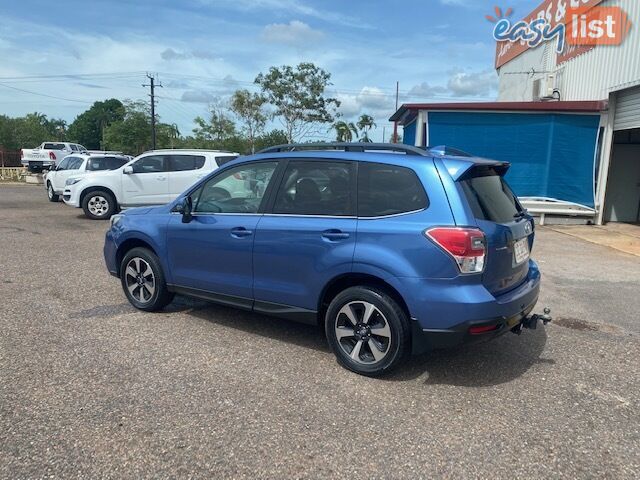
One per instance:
(388,190)
(64,164)
(181,163)
(74,163)
(316,188)
(74,148)
(238,190)
(150,164)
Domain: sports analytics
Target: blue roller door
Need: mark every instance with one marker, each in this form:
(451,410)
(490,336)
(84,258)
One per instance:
(552,154)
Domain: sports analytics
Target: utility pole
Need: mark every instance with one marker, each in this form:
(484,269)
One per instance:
(395,124)
(152,85)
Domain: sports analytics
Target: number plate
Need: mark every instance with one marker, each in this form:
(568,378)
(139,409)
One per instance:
(521,251)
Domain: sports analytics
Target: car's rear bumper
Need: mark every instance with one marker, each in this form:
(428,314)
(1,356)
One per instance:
(445,312)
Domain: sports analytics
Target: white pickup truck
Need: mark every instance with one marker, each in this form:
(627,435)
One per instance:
(48,155)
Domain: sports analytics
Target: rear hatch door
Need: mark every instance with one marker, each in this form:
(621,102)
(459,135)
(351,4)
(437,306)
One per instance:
(509,230)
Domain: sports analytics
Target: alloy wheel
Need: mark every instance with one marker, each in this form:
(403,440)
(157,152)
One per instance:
(140,280)
(363,332)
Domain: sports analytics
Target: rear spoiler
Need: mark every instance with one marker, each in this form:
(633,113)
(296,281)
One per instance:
(465,167)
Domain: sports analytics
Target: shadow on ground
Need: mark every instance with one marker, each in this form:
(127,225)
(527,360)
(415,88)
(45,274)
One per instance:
(499,361)
(492,363)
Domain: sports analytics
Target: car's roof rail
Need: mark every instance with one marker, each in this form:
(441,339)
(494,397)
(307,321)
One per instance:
(348,147)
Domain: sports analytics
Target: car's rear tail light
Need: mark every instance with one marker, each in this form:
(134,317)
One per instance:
(467,246)
(52,156)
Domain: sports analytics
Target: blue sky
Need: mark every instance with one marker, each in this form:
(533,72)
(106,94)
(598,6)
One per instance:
(202,50)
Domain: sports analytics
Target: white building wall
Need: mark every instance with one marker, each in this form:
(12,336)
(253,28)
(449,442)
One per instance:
(590,76)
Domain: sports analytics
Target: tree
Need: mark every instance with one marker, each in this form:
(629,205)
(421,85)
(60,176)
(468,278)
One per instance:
(271,139)
(219,128)
(298,97)
(248,107)
(345,131)
(132,134)
(365,124)
(88,127)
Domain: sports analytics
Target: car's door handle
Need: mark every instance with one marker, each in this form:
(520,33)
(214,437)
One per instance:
(335,235)
(161,178)
(241,232)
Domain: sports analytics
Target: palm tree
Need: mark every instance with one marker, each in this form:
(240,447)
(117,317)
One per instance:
(345,131)
(365,124)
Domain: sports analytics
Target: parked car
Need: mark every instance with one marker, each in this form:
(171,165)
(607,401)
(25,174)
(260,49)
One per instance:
(73,167)
(153,178)
(48,155)
(391,253)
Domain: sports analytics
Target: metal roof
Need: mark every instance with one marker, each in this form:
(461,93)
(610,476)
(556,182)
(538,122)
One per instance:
(408,111)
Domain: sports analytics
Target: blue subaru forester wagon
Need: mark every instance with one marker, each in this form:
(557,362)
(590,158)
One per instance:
(392,249)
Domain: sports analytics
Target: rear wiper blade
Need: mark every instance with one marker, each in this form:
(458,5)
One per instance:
(521,214)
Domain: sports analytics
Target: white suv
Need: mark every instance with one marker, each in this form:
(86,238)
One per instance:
(153,178)
(77,166)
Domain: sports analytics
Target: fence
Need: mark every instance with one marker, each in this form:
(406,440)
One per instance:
(9,158)
(12,174)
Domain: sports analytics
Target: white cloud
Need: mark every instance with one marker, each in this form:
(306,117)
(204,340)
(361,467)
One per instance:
(198,96)
(370,100)
(465,84)
(295,33)
(290,7)
(170,54)
(426,90)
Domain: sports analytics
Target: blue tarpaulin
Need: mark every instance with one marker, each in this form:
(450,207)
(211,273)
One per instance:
(552,155)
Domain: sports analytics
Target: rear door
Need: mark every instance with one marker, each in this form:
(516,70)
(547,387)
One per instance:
(308,237)
(507,227)
(184,171)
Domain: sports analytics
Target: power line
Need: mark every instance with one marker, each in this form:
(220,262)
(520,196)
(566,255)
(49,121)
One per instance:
(72,75)
(45,95)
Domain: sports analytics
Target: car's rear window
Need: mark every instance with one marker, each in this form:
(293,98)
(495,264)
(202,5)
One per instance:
(388,190)
(105,163)
(489,196)
(182,163)
(220,161)
(54,146)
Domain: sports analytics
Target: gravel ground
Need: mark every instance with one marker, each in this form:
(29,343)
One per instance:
(91,388)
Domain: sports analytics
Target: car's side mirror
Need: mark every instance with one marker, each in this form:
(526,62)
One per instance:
(187,209)
(128,170)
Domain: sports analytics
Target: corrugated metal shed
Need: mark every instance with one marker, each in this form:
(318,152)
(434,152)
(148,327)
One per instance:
(590,76)
(628,110)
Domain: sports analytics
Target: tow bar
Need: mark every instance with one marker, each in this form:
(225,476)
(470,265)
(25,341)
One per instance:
(531,322)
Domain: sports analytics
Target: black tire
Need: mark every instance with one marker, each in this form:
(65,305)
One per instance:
(99,205)
(387,312)
(141,296)
(53,196)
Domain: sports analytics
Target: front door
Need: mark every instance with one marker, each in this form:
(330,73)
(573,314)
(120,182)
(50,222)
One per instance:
(211,256)
(59,176)
(308,238)
(148,184)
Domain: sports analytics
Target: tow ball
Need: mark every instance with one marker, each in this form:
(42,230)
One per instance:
(531,322)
